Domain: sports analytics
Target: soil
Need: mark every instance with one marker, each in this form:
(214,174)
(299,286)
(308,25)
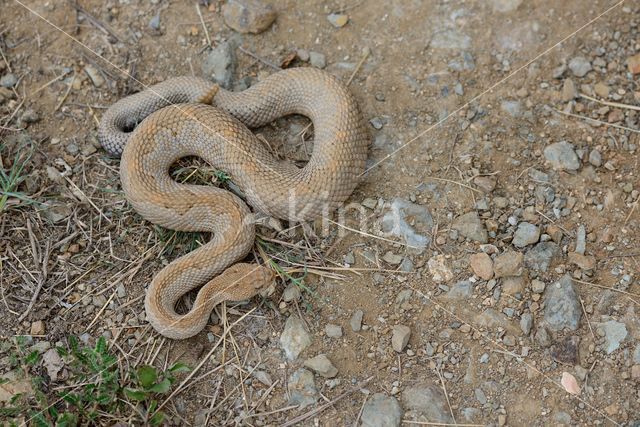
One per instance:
(463,98)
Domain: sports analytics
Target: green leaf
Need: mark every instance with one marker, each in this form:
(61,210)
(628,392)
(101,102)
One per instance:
(162,387)
(135,394)
(101,345)
(157,419)
(179,367)
(147,376)
(32,358)
(67,420)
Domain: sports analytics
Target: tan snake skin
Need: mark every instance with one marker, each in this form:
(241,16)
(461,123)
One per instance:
(219,135)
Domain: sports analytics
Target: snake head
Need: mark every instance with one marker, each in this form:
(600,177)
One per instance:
(250,280)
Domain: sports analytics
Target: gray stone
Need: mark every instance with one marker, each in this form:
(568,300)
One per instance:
(581,239)
(595,158)
(381,411)
(356,321)
(338,20)
(220,64)
(333,331)
(427,402)
(569,91)
(8,80)
(562,307)
(294,338)
(263,377)
(302,388)
(541,256)
(614,334)
(526,323)
(580,66)
(636,354)
(53,363)
(94,75)
(504,6)
(317,60)
(403,296)
(395,222)
(562,156)
(526,234)
(322,365)
(400,337)
(508,264)
(470,226)
(459,291)
(248,16)
(511,107)
(154,23)
(391,258)
(291,293)
(480,396)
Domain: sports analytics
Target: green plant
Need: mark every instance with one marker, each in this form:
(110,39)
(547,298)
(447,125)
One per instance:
(12,176)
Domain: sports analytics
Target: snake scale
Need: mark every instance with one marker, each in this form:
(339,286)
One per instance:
(190,116)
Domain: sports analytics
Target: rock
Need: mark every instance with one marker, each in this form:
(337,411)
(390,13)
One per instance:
(526,323)
(322,365)
(381,411)
(291,293)
(482,265)
(220,64)
(37,328)
(513,285)
(94,75)
(480,396)
(470,226)
(562,156)
(541,256)
(29,116)
(154,23)
(580,66)
(338,20)
(294,338)
(491,319)
(595,158)
(404,296)
(542,337)
(504,6)
(395,222)
(526,234)
(508,264)
(569,91)
(511,107)
(14,383)
(377,123)
(485,183)
(333,331)
(601,90)
(566,350)
(400,337)
(633,64)
(537,286)
(581,239)
(438,268)
(459,291)
(302,388)
(317,60)
(263,377)
(391,258)
(356,321)
(303,55)
(427,402)
(585,262)
(53,363)
(614,334)
(248,16)
(636,354)
(562,307)
(8,80)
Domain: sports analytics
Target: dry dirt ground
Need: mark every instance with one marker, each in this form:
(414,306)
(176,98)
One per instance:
(491,115)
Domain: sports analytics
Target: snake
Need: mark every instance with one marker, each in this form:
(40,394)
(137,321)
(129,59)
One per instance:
(189,116)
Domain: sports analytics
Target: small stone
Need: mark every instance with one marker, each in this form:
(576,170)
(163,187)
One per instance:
(614,334)
(338,20)
(404,296)
(633,64)
(377,123)
(537,286)
(29,116)
(8,80)
(440,273)
(333,331)
(94,75)
(482,265)
(526,234)
(291,293)
(428,402)
(562,156)
(391,258)
(585,262)
(248,16)
(263,377)
(220,64)
(396,220)
(566,350)
(485,183)
(526,323)
(356,321)
(480,396)
(579,66)
(154,23)
(317,60)
(470,226)
(513,285)
(581,239)
(400,337)
(542,256)
(460,291)
(601,90)
(381,411)
(302,388)
(322,365)
(509,340)
(303,55)
(635,372)
(595,158)
(508,264)
(294,338)
(562,308)
(37,328)
(569,91)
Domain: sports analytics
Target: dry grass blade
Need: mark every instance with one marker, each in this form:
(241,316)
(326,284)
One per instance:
(589,119)
(610,104)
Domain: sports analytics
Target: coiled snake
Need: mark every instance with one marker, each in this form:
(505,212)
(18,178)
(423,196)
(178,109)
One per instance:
(189,116)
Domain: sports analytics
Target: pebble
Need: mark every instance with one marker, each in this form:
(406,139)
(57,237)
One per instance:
(614,334)
(404,296)
(541,256)
(566,350)
(460,291)
(480,396)
(633,64)
(562,307)
(302,388)
(508,264)
(291,293)
(400,337)
(595,158)
(338,20)
(53,363)
(356,321)
(317,60)
(263,377)
(94,75)
(562,156)
(585,262)
(377,123)
(537,286)
(505,6)
(8,80)
(391,258)
(37,328)
(154,23)
(601,90)
(526,323)
(294,338)
(322,365)
(580,66)
(438,268)
(485,183)
(395,222)
(511,107)
(333,331)
(428,402)
(482,265)
(220,64)
(526,234)
(381,411)
(569,91)
(513,286)
(581,239)
(303,55)
(470,226)
(248,16)
(29,116)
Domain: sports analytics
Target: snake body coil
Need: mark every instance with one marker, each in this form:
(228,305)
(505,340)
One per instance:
(177,121)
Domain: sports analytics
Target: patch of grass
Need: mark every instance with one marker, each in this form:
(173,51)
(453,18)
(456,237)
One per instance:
(97,392)
(12,175)
(179,241)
